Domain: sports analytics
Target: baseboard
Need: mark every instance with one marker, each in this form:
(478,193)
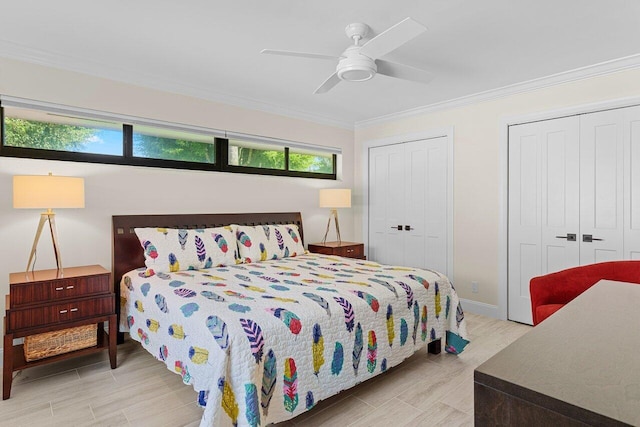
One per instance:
(481,308)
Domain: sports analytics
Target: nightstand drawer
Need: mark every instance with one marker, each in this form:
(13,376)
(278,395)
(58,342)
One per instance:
(344,249)
(355,251)
(50,314)
(58,289)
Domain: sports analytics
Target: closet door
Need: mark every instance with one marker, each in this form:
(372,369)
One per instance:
(582,182)
(631,137)
(543,206)
(416,165)
(437,198)
(601,186)
(386,204)
(408,189)
(525,225)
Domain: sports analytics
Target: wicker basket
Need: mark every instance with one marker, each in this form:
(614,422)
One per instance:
(58,342)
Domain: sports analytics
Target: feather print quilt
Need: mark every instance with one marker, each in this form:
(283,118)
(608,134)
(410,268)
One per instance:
(264,342)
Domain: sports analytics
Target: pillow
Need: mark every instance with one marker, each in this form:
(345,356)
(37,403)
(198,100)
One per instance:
(172,249)
(264,242)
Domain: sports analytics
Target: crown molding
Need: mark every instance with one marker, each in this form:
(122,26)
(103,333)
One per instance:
(19,52)
(590,71)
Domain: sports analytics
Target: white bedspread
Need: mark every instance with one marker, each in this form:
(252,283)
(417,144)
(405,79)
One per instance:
(264,342)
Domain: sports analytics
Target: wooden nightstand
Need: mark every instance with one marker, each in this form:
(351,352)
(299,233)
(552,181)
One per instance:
(42,301)
(345,249)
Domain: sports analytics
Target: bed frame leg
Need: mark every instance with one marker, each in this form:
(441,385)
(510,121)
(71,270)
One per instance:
(434,347)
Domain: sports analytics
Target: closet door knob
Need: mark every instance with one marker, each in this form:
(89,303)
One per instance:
(570,237)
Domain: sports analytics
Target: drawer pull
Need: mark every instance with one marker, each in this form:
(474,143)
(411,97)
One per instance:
(74,309)
(70,287)
(350,250)
(63,311)
(59,289)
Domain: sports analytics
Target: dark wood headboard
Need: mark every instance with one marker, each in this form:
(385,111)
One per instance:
(128,254)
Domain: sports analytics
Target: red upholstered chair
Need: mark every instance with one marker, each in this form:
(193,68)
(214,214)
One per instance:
(552,291)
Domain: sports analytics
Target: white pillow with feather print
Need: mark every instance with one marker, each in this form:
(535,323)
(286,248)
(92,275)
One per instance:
(174,249)
(265,242)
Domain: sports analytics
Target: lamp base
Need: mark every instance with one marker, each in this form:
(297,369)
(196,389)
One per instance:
(50,217)
(334,215)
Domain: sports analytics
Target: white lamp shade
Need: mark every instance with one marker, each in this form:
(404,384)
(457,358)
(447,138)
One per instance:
(47,192)
(335,198)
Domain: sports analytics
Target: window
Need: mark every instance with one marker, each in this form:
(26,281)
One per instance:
(47,131)
(158,143)
(33,129)
(256,155)
(272,156)
(308,161)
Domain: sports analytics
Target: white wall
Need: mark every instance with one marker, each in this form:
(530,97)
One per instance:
(477,167)
(85,234)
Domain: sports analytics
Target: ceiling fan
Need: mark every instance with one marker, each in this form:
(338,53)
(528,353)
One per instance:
(361,62)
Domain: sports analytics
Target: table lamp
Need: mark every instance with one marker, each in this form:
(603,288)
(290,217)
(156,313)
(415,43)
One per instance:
(47,192)
(334,198)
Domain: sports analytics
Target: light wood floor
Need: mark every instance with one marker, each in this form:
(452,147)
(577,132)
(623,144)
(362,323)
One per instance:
(424,390)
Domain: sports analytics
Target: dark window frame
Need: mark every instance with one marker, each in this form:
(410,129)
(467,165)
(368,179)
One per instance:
(221,163)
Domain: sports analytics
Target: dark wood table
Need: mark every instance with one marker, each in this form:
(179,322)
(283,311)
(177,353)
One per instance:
(581,366)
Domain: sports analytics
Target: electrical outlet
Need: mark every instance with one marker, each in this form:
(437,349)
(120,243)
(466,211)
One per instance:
(474,287)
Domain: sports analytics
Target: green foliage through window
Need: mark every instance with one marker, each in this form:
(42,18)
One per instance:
(243,154)
(60,137)
(158,147)
(251,154)
(310,163)
(43,133)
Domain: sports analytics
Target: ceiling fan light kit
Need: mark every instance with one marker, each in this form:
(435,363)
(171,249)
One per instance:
(358,62)
(356,67)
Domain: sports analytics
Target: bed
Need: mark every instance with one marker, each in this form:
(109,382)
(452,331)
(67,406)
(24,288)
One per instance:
(265,337)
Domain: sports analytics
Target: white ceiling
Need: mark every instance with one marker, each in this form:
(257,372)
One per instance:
(211,48)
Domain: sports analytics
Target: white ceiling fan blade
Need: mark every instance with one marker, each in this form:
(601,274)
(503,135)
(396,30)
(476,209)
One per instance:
(328,84)
(392,38)
(401,71)
(298,54)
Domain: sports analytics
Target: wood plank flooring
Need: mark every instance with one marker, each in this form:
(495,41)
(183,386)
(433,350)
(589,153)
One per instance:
(425,390)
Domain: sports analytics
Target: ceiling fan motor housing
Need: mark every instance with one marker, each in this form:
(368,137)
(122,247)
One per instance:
(357,31)
(355,67)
